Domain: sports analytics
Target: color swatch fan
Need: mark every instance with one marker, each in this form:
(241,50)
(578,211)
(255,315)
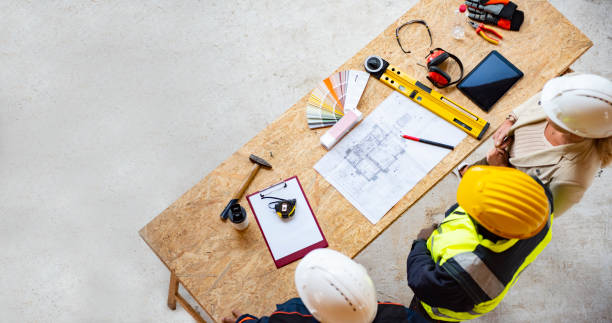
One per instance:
(333,96)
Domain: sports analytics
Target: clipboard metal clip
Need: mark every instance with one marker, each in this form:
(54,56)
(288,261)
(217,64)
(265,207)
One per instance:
(283,183)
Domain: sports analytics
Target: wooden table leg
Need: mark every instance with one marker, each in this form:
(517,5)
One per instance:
(173,296)
(196,316)
(172,291)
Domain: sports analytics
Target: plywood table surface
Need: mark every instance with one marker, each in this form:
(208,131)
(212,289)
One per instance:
(224,269)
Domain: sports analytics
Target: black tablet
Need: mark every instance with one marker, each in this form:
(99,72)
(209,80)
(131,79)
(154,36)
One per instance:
(489,80)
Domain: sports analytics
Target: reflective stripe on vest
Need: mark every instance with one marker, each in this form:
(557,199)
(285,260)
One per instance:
(484,269)
(480,273)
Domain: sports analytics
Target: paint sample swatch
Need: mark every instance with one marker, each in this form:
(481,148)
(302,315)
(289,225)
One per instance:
(336,94)
(337,131)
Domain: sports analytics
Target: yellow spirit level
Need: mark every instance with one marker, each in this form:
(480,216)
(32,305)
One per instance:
(428,98)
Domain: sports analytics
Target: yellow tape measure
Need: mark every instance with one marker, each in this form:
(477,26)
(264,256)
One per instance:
(428,98)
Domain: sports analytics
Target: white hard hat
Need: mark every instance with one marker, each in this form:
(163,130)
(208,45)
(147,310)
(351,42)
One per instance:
(580,104)
(335,289)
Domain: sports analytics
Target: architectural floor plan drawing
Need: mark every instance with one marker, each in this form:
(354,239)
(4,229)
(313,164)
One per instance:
(373,167)
(373,154)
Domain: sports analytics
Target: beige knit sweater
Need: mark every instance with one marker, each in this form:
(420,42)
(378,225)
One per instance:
(568,170)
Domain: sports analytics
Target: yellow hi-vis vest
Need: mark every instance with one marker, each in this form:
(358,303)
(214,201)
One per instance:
(484,269)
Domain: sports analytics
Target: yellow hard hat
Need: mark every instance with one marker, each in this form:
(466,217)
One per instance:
(504,200)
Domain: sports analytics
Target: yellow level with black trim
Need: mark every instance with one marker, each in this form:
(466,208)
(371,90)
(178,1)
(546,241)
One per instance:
(425,96)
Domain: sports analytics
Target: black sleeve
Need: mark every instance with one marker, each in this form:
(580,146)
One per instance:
(248,318)
(432,284)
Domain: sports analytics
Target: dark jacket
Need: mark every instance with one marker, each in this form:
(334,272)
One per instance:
(294,311)
(432,284)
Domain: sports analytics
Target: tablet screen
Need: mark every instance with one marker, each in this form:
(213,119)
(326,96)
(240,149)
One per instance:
(489,80)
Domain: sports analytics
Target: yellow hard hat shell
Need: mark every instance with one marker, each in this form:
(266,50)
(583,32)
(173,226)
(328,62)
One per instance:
(504,200)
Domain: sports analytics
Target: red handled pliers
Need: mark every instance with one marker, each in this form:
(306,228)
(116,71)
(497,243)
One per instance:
(482,30)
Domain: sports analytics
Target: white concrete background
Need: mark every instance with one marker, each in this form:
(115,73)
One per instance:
(110,110)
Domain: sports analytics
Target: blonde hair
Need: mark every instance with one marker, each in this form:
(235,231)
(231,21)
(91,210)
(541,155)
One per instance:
(604,149)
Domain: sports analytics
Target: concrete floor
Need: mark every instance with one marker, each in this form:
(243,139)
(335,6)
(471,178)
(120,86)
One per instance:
(110,110)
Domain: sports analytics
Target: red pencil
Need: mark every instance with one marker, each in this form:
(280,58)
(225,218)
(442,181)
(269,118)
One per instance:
(425,141)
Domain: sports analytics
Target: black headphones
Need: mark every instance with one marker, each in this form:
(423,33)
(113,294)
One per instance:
(435,74)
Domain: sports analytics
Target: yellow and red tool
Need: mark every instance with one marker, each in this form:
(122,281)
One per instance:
(482,30)
(418,92)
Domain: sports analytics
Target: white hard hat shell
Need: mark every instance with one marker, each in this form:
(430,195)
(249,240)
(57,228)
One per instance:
(335,289)
(580,104)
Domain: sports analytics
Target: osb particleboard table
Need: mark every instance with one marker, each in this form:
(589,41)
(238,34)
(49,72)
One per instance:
(224,269)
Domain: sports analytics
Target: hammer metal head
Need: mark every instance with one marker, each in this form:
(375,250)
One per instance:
(260,161)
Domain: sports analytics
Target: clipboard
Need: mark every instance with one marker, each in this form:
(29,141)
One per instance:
(289,239)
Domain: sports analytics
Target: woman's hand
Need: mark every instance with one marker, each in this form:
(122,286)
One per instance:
(497,157)
(500,137)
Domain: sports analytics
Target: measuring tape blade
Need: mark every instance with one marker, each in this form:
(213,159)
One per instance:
(426,97)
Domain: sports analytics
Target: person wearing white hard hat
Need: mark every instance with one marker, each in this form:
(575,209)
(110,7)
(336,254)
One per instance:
(562,135)
(333,289)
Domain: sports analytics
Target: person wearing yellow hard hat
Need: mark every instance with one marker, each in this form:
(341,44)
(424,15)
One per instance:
(562,135)
(464,267)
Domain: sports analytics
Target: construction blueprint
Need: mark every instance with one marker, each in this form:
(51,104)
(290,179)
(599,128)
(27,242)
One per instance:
(373,167)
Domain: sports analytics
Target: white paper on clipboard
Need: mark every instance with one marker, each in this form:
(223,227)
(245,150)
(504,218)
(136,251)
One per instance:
(287,239)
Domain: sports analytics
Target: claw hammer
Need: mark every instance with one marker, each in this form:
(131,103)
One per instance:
(258,163)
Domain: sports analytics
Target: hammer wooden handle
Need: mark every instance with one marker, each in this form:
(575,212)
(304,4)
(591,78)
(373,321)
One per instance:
(247,182)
